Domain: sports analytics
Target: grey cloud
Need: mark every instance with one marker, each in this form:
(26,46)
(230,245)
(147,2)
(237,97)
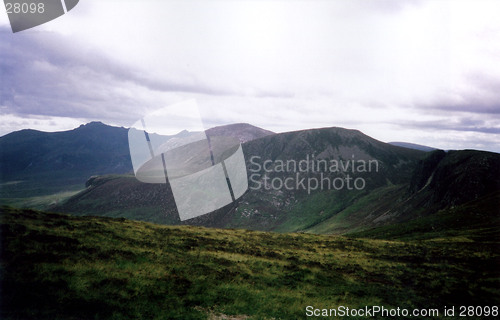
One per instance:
(48,74)
(480,95)
(484,137)
(463,124)
(471,106)
(54,79)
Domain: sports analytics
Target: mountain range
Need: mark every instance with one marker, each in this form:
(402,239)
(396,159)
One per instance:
(34,163)
(359,184)
(419,229)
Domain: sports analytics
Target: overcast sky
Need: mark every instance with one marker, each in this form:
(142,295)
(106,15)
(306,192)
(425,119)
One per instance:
(426,72)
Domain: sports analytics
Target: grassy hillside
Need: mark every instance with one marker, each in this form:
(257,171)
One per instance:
(362,213)
(62,267)
(123,196)
(477,220)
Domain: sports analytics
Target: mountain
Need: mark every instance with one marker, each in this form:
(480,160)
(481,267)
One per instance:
(244,132)
(454,177)
(263,208)
(36,163)
(329,180)
(413,146)
(298,209)
(408,184)
(419,229)
(442,182)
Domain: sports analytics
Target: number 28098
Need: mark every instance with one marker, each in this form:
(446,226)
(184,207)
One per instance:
(25,7)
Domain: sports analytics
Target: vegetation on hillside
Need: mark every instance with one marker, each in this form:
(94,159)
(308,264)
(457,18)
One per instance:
(477,220)
(63,267)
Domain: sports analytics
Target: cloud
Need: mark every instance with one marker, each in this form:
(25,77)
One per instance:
(10,123)
(46,75)
(49,74)
(447,124)
(283,66)
(477,92)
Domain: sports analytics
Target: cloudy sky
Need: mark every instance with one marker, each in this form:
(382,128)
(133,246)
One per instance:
(425,72)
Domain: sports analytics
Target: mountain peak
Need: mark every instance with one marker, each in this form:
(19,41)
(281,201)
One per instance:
(92,124)
(243,131)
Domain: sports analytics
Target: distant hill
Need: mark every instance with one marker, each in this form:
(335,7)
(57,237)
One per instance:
(409,184)
(45,162)
(37,163)
(244,132)
(412,146)
(261,208)
(404,185)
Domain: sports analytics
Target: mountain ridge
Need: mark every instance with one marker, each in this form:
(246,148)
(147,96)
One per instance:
(264,209)
(326,211)
(410,145)
(47,162)
(407,183)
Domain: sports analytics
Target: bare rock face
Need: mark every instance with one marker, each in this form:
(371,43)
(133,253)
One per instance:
(455,177)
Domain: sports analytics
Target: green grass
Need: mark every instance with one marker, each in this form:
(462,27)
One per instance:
(477,220)
(316,208)
(348,218)
(62,267)
(41,202)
